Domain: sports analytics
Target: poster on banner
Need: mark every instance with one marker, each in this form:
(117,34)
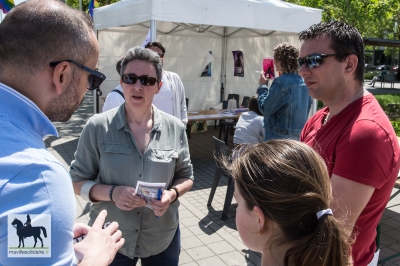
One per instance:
(238,63)
(207,70)
(269,67)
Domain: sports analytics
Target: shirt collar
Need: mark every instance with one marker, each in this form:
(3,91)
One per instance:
(23,111)
(121,118)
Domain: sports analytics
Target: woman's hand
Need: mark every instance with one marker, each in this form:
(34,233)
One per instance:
(263,80)
(161,206)
(126,199)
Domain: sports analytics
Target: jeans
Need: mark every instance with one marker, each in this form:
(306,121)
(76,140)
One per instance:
(169,257)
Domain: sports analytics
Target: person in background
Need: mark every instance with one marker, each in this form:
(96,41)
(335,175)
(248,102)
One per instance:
(284,198)
(250,127)
(171,98)
(378,78)
(351,133)
(285,105)
(136,142)
(48,53)
(116,97)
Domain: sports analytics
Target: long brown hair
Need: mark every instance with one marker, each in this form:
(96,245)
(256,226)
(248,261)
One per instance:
(289,182)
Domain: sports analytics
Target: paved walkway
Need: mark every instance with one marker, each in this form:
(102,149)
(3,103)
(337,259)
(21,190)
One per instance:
(206,239)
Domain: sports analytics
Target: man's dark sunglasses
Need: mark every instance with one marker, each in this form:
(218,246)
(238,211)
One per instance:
(160,55)
(95,78)
(313,60)
(144,80)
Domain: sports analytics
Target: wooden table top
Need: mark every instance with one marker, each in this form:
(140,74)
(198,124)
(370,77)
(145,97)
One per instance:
(214,114)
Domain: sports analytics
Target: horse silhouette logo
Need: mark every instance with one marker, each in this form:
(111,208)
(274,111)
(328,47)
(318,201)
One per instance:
(27,230)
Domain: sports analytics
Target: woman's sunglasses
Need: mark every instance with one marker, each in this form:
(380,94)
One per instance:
(144,80)
(313,60)
(95,78)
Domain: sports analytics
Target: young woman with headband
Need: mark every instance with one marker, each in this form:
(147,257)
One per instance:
(283,193)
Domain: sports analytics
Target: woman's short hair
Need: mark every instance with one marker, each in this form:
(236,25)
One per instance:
(289,181)
(143,54)
(253,105)
(286,55)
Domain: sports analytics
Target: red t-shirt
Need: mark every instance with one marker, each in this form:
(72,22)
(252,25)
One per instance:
(359,144)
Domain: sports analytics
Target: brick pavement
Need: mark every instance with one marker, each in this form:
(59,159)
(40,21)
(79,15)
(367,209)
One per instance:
(205,238)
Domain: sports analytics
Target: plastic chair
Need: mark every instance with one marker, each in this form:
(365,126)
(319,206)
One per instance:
(220,150)
(246,101)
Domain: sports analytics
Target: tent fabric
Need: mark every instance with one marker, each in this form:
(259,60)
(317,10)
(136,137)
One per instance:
(190,29)
(269,15)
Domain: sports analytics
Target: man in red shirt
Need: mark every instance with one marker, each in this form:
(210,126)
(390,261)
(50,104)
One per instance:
(352,133)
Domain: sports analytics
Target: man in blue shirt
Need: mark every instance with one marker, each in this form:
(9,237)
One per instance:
(47,52)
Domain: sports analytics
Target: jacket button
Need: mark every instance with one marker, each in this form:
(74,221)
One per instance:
(137,246)
(138,213)
(140,175)
(136,230)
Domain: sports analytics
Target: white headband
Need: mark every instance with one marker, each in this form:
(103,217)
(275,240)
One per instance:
(323,212)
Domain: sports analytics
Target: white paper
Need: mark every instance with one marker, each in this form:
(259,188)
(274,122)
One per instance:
(149,191)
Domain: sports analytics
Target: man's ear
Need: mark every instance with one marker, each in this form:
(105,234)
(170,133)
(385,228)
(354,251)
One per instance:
(351,63)
(62,76)
(260,218)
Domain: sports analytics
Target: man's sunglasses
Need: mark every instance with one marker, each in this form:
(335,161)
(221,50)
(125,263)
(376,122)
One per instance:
(160,55)
(144,80)
(95,78)
(313,60)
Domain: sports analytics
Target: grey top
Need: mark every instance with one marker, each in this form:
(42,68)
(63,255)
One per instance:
(249,129)
(107,153)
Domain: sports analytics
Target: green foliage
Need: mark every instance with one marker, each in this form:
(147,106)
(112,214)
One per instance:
(372,18)
(370,74)
(386,99)
(85,3)
(396,127)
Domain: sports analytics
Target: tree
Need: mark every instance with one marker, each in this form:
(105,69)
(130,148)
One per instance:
(85,3)
(372,18)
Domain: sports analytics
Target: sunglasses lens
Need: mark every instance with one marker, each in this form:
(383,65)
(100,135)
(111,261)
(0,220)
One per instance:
(129,79)
(147,81)
(144,80)
(94,82)
(311,61)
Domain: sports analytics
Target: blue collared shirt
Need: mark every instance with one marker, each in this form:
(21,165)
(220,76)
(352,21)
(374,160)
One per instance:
(32,181)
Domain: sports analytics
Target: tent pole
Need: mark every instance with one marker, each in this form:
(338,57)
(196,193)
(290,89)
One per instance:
(153,30)
(223,64)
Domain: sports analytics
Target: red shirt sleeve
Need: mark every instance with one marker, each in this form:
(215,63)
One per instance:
(364,153)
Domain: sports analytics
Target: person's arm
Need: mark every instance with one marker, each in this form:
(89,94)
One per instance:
(112,101)
(349,199)
(182,99)
(364,162)
(124,197)
(183,178)
(269,100)
(100,245)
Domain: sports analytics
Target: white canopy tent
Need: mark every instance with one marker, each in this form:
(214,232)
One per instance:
(189,29)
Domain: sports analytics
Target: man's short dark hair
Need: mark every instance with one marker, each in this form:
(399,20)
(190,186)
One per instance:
(253,105)
(345,39)
(156,44)
(37,32)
